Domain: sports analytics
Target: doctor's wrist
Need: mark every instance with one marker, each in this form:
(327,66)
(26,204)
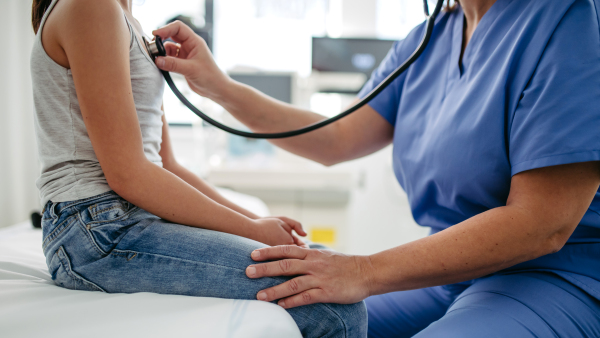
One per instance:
(221,91)
(367,273)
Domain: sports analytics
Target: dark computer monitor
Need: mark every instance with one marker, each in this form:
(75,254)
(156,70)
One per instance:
(278,86)
(348,55)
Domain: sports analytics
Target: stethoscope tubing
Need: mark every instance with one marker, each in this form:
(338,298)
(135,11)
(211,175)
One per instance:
(376,91)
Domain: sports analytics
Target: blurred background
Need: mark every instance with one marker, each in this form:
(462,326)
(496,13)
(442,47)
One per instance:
(316,54)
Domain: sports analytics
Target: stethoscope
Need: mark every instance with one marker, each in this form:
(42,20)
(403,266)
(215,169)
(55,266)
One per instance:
(156,48)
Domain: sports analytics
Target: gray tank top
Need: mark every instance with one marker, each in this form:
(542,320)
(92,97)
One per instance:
(70,168)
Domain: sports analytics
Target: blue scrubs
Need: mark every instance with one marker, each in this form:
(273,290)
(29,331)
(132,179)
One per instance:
(526,96)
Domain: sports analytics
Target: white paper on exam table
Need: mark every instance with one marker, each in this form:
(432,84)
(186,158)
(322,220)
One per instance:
(32,306)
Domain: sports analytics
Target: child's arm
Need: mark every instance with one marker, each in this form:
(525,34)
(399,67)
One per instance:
(103,87)
(171,164)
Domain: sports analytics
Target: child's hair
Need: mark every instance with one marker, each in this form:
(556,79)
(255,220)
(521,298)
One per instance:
(38,9)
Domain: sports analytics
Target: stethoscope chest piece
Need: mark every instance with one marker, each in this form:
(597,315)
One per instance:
(156,47)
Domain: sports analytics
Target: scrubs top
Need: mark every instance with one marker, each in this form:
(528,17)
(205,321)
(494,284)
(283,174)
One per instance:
(526,96)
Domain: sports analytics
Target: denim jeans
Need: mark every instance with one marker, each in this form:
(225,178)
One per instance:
(107,244)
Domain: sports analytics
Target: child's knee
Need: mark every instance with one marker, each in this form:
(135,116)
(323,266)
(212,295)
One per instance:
(332,320)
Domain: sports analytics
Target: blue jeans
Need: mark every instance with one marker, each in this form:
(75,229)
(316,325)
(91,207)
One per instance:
(107,244)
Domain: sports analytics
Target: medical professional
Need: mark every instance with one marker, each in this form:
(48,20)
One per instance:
(496,135)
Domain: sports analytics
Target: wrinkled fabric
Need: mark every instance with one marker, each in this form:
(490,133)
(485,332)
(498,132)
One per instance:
(527,304)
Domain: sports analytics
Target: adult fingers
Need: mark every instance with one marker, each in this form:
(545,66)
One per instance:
(294,224)
(172,49)
(307,297)
(172,64)
(289,288)
(285,267)
(177,31)
(279,252)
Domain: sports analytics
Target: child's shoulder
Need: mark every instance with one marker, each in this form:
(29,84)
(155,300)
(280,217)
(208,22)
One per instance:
(73,25)
(78,14)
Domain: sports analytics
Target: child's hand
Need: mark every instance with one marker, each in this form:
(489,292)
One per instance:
(278,231)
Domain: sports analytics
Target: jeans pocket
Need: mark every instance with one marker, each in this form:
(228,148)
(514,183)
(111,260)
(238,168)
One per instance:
(108,221)
(109,211)
(63,275)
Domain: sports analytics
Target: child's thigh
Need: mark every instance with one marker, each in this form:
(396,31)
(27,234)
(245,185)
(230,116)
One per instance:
(156,256)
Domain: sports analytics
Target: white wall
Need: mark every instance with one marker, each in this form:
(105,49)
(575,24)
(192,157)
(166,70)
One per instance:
(18,154)
(379,215)
(359,18)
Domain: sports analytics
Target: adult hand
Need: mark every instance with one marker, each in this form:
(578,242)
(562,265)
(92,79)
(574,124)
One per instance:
(278,231)
(194,60)
(324,276)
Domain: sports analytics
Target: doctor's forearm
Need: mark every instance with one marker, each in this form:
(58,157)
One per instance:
(261,112)
(486,243)
(543,209)
(264,114)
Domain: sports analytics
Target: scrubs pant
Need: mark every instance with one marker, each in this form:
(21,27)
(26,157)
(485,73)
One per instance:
(523,304)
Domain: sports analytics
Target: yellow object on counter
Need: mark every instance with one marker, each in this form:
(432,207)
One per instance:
(323,235)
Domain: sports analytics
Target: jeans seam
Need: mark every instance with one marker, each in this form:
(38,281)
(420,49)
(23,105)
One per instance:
(52,236)
(117,252)
(73,274)
(340,319)
(89,235)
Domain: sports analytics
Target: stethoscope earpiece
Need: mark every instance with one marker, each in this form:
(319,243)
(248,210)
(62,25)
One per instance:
(155,48)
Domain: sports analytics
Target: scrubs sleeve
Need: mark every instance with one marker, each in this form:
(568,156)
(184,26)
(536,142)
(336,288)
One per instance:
(557,120)
(387,102)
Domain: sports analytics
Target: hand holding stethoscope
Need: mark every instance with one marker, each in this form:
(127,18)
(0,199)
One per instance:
(190,56)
